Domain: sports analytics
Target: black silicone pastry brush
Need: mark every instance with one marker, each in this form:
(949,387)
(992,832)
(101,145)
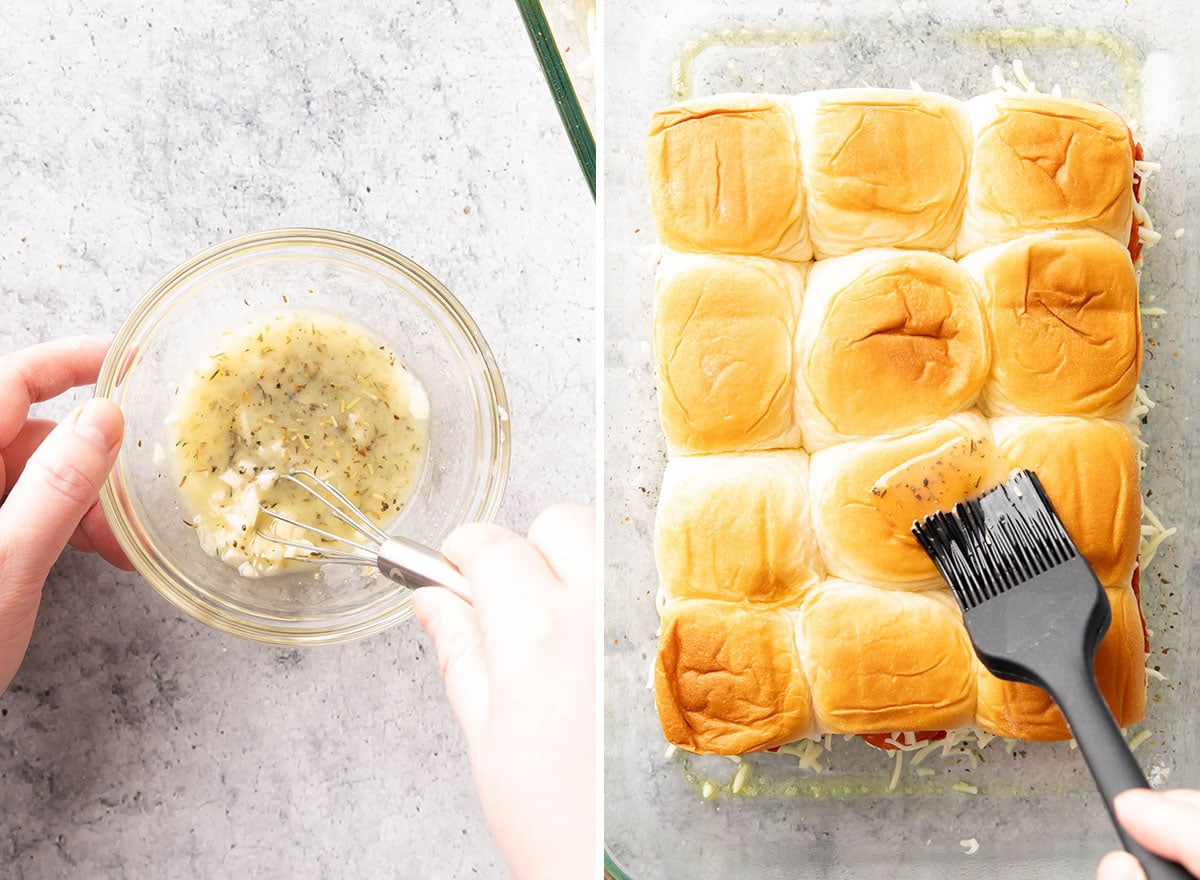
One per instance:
(1036,613)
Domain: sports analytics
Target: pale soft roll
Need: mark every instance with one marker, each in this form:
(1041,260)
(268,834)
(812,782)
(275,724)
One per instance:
(727,679)
(888,340)
(866,495)
(882,168)
(1089,468)
(725,177)
(1041,162)
(723,341)
(1022,711)
(736,527)
(881,661)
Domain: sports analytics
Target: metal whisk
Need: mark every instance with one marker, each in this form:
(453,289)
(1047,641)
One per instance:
(406,562)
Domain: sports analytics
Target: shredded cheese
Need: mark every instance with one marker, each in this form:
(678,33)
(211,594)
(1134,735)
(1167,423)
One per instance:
(1138,740)
(810,760)
(739,778)
(925,752)
(1148,236)
(896,772)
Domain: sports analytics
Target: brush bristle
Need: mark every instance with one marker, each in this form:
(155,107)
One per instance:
(988,545)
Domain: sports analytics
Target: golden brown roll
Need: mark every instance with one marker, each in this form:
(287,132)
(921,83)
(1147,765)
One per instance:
(736,527)
(883,660)
(867,494)
(883,168)
(1041,162)
(723,343)
(728,678)
(888,340)
(1089,468)
(725,177)
(1067,333)
(1022,711)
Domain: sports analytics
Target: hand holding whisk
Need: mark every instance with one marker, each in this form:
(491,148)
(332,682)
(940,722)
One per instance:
(406,562)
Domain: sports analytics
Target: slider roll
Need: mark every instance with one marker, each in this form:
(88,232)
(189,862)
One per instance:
(725,178)
(727,679)
(881,661)
(866,495)
(736,527)
(1066,328)
(888,340)
(1041,162)
(883,168)
(1089,468)
(724,332)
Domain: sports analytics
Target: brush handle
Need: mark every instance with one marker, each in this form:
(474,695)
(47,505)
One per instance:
(1108,757)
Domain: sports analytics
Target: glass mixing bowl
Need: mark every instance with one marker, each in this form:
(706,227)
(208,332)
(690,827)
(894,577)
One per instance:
(179,322)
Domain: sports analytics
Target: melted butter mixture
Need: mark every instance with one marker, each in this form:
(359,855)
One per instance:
(301,390)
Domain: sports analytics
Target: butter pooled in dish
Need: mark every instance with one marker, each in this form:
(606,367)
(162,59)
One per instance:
(304,390)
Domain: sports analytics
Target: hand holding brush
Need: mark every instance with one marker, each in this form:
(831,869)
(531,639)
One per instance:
(1036,613)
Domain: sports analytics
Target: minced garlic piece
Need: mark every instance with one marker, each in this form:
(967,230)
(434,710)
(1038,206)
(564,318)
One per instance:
(301,390)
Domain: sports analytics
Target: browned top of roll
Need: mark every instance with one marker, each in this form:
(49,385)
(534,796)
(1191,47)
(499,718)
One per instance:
(867,494)
(736,527)
(899,345)
(886,660)
(725,177)
(728,679)
(1089,468)
(1063,306)
(883,167)
(1042,162)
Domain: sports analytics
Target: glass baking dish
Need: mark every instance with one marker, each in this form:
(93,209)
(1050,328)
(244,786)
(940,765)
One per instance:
(1035,813)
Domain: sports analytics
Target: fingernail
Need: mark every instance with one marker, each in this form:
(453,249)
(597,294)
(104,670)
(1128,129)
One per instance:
(100,423)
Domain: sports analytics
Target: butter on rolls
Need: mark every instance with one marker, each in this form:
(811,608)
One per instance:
(881,661)
(1066,328)
(883,168)
(725,177)
(736,527)
(723,344)
(888,340)
(727,678)
(1041,162)
(866,494)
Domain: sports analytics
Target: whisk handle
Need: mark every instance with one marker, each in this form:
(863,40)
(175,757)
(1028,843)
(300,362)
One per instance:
(414,565)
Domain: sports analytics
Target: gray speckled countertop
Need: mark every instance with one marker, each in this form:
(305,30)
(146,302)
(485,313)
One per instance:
(135,742)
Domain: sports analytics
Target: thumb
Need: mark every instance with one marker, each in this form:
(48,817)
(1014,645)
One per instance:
(60,482)
(1120,865)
